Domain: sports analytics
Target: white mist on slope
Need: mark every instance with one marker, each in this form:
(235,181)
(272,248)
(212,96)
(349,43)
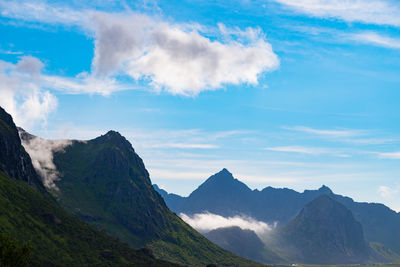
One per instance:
(41,152)
(205,222)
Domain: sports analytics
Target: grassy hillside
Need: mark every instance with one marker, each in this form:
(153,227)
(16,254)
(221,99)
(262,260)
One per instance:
(57,238)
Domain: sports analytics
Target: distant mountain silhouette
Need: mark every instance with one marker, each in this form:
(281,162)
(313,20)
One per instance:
(244,243)
(224,195)
(324,232)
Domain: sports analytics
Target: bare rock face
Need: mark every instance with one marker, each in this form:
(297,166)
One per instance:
(14,161)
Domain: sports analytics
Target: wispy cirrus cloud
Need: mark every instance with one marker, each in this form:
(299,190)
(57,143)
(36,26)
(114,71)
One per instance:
(379,12)
(376,39)
(326,132)
(308,150)
(387,192)
(185,146)
(10,52)
(354,136)
(39,11)
(389,155)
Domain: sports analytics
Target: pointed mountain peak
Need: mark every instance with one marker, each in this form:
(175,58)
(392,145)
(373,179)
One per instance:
(222,176)
(224,171)
(113,134)
(114,138)
(6,119)
(325,207)
(222,181)
(324,189)
(326,232)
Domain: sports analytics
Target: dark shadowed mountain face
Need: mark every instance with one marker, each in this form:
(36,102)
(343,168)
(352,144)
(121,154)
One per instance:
(14,161)
(244,243)
(241,242)
(324,232)
(57,237)
(380,224)
(218,194)
(104,182)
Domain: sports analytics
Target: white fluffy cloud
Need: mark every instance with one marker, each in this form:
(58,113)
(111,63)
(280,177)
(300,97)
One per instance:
(380,12)
(178,58)
(25,91)
(21,95)
(41,152)
(205,222)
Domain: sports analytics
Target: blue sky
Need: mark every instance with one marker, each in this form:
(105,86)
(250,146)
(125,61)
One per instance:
(282,93)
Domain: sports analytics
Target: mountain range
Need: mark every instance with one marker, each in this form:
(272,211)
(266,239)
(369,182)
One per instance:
(324,232)
(105,183)
(29,214)
(224,195)
(90,203)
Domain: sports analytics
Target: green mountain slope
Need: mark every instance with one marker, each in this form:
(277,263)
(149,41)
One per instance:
(57,238)
(29,214)
(104,182)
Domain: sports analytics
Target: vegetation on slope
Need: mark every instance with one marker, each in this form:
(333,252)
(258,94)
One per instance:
(58,238)
(104,182)
(49,235)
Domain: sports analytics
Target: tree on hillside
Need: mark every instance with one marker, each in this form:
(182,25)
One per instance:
(13,254)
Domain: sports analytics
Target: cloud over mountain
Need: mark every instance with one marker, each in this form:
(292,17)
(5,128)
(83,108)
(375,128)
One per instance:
(205,222)
(42,152)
